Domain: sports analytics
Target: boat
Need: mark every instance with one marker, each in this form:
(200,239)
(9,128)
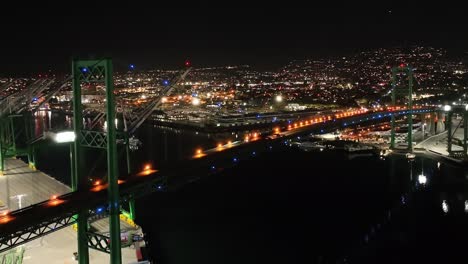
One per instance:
(357,148)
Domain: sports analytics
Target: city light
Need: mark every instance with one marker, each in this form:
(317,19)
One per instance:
(422,179)
(279,98)
(447,108)
(195,101)
(445,206)
(147,167)
(65,137)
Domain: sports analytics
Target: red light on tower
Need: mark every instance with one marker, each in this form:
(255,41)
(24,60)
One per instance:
(188,63)
(402,65)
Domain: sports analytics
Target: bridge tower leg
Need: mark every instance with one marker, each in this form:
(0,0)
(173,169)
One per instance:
(13,137)
(433,124)
(131,201)
(465,135)
(127,152)
(400,90)
(7,141)
(448,124)
(116,254)
(392,135)
(78,181)
(2,158)
(440,126)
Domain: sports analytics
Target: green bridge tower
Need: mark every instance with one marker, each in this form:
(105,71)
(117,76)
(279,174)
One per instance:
(402,93)
(96,71)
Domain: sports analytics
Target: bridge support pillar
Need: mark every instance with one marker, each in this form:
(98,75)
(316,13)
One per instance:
(448,124)
(127,152)
(402,93)
(32,163)
(131,206)
(440,126)
(78,181)
(433,122)
(13,137)
(2,159)
(83,251)
(112,169)
(392,134)
(465,135)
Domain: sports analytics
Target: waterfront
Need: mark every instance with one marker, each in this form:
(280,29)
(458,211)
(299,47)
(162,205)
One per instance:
(288,205)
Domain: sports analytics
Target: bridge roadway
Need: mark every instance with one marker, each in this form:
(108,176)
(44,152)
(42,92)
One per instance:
(28,223)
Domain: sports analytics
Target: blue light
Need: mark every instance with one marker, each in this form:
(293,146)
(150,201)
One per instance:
(159,187)
(321,131)
(253,153)
(258,116)
(84,69)
(132,66)
(99,210)
(234,159)
(213,167)
(34,99)
(166,82)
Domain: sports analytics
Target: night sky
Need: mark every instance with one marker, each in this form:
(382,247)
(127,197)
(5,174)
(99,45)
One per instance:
(41,38)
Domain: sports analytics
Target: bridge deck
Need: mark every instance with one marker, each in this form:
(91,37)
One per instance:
(21,186)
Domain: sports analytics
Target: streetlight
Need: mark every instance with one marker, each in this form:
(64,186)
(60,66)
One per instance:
(64,137)
(447,108)
(279,98)
(20,199)
(195,101)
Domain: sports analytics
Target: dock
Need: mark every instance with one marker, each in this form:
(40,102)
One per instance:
(21,186)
